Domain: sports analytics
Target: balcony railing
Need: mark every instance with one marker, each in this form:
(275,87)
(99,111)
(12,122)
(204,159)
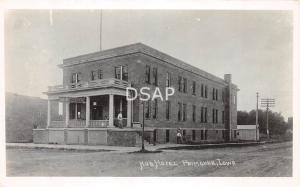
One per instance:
(99,83)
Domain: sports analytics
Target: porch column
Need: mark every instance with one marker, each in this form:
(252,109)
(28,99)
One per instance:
(49,114)
(67,112)
(87,111)
(128,113)
(111,110)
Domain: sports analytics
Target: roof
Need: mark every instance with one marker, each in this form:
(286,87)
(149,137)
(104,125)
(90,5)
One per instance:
(138,48)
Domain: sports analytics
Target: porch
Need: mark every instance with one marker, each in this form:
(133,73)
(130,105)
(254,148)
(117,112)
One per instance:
(99,111)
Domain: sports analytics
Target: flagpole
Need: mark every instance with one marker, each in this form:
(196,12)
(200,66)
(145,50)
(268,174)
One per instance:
(101,30)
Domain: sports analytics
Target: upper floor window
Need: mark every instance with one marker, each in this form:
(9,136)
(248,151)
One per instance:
(223,117)
(168,80)
(148,109)
(76,77)
(155,106)
(121,72)
(184,112)
(215,94)
(203,114)
(215,116)
(202,90)
(96,74)
(205,91)
(179,111)
(154,71)
(194,88)
(184,85)
(179,83)
(194,113)
(168,105)
(147,74)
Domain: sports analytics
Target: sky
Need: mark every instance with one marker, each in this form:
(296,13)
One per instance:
(254,46)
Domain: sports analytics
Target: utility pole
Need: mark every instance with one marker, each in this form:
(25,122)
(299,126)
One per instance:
(257,95)
(143,128)
(267,102)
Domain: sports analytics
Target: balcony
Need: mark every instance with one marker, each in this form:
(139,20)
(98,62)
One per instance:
(100,83)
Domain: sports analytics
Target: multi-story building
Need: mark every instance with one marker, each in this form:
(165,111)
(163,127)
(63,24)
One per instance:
(93,93)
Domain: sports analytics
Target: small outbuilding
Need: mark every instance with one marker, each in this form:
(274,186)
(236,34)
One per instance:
(247,132)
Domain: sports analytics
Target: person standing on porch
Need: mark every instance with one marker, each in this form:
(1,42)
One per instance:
(120,120)
(179,136)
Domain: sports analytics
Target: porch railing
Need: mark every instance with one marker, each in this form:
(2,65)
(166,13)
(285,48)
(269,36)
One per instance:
(111,82)
(98,123)
(76,123)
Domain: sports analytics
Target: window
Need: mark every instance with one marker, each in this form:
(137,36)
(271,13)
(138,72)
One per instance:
(213,116)
(168,80)
(202,90)
(167,136)
(73,78)
(184,85)
(147,74)
(223,134)
(121,72)
(154,71)
(93,75)
(155,109)
(100,74)
(205,135)
(184,112)
(183,133)
(194,113)
(118,72)
(215,94)
(223,117)
(96,74)
(179,111)
(205,92)
(234,99)
(194,88)
(216,113)
(205,115)
(179,83)
(202,115)
(202,135)
(76,77)
(147,108)
(168,110)
(234,134)
(193,135)
(125,73)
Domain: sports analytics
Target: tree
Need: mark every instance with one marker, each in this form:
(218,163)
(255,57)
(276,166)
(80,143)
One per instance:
(277,125)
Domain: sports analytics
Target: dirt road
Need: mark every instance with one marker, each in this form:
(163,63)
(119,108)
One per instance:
(262,160)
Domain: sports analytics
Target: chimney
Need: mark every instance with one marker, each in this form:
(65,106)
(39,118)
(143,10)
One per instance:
(227,78)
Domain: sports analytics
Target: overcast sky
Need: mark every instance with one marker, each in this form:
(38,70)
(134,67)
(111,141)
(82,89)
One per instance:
(254,46)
